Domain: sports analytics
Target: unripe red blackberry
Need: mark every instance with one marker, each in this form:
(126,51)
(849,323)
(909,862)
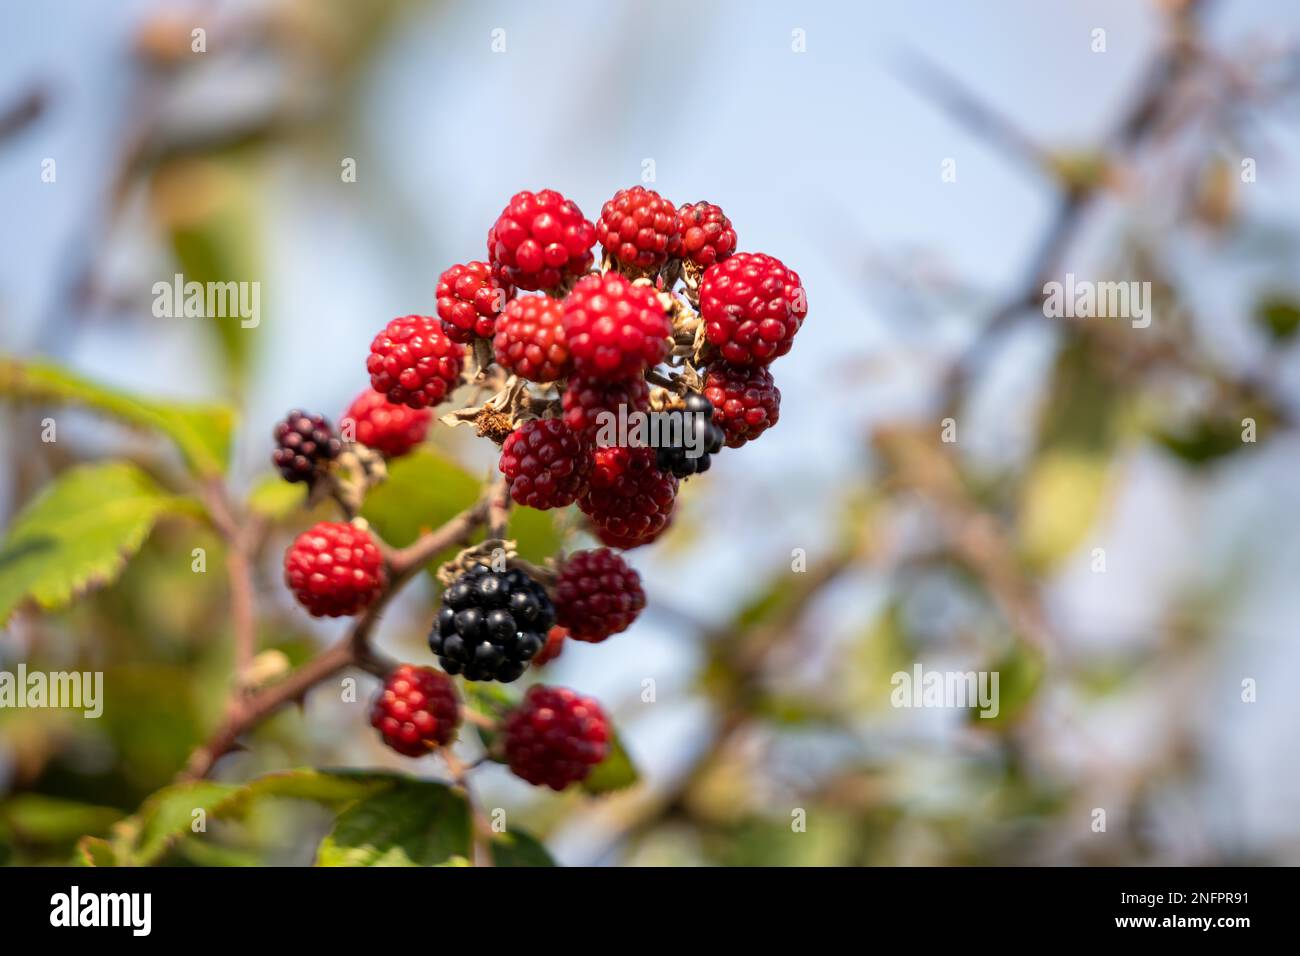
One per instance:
(416,711)
(469,301)
(530,339)
(546,464)
(413,362)
(587,399)
(392,430)
(752,306)
(491,624)
(334,569)
(629,500)
(597,594)
(554,737)
(707,236)
(616,329)
(553,647)
(540,240)
(304,445)
(746,401)
(701,439)
(639,229)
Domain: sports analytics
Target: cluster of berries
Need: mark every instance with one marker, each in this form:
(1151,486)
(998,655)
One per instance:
(600,339)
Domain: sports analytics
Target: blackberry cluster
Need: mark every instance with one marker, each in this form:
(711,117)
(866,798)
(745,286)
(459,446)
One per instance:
(491,624)
(708,439)
(582,350)
(304,444)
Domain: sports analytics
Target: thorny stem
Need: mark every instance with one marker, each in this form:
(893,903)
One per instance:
(238,539)
(246,711)
(481,827)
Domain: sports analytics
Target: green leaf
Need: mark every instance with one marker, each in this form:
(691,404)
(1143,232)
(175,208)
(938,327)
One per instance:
(201,431)
(274,498)
(37,818)
(615,772)
(424,490)
(534,533)
(93,851)
(329,788)
(1064,495)
(79,532)
(1020,674)
(519,848)
(1202,441)
(168,814)
(413,824)
(1279,316)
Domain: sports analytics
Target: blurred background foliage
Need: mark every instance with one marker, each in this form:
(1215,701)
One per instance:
(1120,688)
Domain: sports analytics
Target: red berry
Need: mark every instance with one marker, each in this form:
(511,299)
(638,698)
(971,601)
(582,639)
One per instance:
(553,647)
(392,430)
(539,240)
(746,402)
(417,710)
(554,737)
(752,306)
(530,339)
(469,301)
(546,463)
(586,399)
(334,569)
(629,501)
(413,362)
(707,236)
(639,228)
(615,329)
(597,594)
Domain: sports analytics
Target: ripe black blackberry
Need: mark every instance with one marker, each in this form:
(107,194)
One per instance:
(707,439)
(491,624)
(304,444)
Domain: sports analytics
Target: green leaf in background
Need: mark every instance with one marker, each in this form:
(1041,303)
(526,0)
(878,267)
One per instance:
(1063,497)
(424,490)
(37,818)
(519,848)
(615,772)
(93,851)
(1064,491)
(79,532)
(1279,316)
(1202,441)
(415,823)
(202,432)
(1020,672)
(276,499)
(534,533)
(168,814)
(210,208)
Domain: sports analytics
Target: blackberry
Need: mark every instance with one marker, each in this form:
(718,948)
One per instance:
(304,444)
(707,439)
(491,624)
